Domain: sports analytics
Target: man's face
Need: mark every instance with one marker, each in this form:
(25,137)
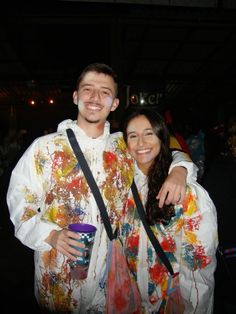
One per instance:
(95,97)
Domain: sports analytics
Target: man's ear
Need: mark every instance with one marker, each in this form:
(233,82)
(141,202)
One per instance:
(115,104)
(75,98)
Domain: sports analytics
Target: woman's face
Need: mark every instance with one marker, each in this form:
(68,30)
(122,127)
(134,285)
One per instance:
(142,142)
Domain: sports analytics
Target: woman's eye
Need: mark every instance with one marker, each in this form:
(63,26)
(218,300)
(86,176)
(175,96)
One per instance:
(149,133)
(132,136)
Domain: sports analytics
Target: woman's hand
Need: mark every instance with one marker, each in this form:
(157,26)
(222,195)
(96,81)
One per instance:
(174,188)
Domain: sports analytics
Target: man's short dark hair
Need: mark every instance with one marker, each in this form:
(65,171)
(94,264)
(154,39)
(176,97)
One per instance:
(99,68)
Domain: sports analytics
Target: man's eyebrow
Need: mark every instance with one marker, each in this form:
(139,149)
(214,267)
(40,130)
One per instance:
(91,85)
(108,88)
(85,84)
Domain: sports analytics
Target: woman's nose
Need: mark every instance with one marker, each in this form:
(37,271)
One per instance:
(140,141)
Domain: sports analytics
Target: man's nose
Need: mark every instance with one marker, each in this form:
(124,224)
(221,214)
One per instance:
(95,95)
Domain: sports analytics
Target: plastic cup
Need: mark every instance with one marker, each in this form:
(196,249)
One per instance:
(79,268)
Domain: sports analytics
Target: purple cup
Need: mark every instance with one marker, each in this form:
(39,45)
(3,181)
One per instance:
(82,228)
(79,268)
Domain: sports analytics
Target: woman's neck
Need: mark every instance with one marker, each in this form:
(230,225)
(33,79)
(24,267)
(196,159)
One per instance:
(144,168)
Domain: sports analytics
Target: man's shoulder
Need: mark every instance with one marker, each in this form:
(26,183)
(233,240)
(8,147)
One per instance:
(117,137)
(50,136)
(49,140)
(117,134)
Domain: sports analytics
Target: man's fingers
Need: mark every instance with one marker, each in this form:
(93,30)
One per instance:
(163,196)
(178,195)
(170,195)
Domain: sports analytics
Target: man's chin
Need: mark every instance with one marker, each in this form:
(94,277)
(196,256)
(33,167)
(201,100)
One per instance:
(92,121)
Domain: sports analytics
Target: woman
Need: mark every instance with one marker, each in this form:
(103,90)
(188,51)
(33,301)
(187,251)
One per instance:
(187,232)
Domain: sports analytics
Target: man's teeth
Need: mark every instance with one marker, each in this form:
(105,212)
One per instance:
(93,107)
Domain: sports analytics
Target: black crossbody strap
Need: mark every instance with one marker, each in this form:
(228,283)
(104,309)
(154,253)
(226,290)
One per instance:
(149,231)
(91,182)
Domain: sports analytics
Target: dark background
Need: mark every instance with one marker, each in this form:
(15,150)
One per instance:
(184,50)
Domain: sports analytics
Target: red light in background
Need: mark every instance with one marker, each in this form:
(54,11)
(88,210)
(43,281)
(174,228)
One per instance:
(134,99)
(35,102)
(32,102)
(51,101)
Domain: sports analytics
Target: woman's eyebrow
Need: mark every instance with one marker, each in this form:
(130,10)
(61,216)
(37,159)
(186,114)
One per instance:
(147,129)
(131,132)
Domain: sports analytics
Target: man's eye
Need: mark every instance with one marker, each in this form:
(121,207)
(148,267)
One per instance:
(85,89)
(106,93)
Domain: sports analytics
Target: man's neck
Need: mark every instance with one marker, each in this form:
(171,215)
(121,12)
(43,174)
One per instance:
(92,130)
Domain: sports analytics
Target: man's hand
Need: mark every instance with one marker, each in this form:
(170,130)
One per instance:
(62,240)
(174,188)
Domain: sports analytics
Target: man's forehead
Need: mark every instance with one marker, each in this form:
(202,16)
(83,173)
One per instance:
(98,78)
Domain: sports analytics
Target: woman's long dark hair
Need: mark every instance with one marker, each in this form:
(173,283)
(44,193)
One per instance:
(159,169)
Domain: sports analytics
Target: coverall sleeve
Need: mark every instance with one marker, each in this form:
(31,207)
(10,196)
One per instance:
(25,196)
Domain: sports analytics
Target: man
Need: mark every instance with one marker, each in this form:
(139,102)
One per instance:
(48,191)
